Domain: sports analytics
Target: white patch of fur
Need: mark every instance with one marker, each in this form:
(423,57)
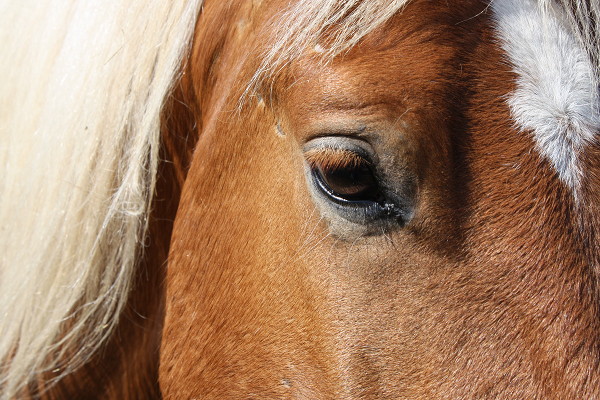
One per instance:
(83,85)
(556,98)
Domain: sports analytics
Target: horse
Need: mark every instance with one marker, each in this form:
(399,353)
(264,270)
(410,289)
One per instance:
(300,199)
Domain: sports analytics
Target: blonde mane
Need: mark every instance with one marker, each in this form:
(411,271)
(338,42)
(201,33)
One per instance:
(83,89)
(83,85)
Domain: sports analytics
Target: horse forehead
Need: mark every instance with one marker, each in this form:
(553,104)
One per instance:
(554,101)
(399,72)
(345,97)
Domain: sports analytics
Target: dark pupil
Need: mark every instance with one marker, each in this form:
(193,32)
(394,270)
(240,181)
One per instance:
(351,183)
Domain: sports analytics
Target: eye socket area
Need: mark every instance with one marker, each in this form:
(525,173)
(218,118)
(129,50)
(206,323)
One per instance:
(344,175)
(352,188)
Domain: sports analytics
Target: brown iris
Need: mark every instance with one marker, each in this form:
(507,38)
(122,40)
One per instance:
(343,174)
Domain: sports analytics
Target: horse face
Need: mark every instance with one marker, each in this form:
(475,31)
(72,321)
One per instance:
(373,227)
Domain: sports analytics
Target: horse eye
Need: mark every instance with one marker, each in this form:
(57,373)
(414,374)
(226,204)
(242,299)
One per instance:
(345,183)
(344,176)
(352,183)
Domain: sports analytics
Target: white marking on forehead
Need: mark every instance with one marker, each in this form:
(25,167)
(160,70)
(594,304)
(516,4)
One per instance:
(555,98)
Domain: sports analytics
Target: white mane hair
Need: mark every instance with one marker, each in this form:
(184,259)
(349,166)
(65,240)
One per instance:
(80,104)
(83,85)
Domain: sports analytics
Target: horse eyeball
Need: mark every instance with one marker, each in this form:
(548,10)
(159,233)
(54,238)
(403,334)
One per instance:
(350,183)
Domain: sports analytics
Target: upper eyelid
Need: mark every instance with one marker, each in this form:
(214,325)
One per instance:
(328,144)
(328,158)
